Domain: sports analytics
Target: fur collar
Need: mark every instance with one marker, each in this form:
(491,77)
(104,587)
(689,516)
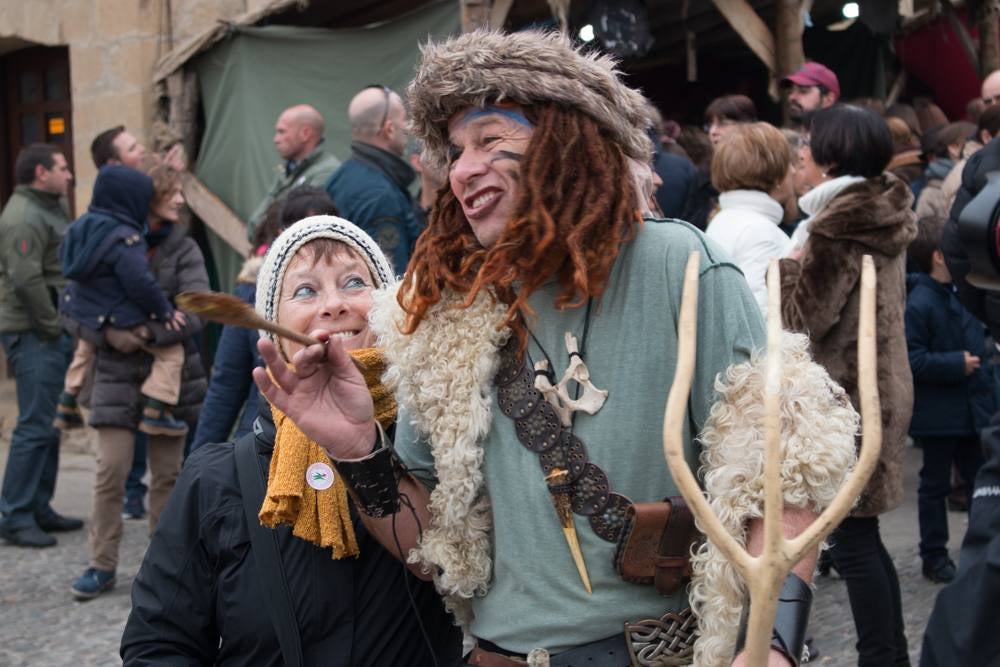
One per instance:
(875,213)
(443,376)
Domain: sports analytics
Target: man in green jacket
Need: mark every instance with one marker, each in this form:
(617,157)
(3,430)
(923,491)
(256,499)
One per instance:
(298,138)
(32,226)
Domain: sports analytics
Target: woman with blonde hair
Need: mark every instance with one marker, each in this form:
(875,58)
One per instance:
(752,170)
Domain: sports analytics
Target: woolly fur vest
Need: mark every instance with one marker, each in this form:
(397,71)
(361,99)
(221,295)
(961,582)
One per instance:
(820,296)
(443,375)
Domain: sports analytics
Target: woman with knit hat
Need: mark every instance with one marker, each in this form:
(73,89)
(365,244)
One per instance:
(209,586)
(531,346)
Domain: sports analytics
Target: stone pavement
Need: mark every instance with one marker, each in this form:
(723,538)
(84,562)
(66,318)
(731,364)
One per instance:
(40,623)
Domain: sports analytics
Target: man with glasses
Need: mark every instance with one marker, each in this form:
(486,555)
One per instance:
(298,138)
(371,188)
(814,86)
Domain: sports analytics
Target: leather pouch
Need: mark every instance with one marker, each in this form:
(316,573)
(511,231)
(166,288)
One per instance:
(655,547)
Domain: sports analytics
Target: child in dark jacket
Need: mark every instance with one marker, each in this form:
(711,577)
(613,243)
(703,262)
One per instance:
(953,393)
(113,294)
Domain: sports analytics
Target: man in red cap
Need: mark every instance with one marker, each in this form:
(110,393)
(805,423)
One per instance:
(814,86)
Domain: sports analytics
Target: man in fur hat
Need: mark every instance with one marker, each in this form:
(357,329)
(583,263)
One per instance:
(536,258)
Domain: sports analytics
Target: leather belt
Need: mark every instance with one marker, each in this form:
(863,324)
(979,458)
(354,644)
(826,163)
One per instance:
(608,652)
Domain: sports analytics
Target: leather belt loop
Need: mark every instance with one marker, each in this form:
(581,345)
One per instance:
(678,535)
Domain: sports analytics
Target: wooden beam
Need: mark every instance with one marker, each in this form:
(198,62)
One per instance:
(182,118)
(788,25)
(498,14)
(751,29)
(214,213)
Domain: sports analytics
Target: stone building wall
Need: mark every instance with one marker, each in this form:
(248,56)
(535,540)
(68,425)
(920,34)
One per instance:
(113,49)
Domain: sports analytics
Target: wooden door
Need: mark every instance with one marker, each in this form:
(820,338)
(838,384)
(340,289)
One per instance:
(38,107)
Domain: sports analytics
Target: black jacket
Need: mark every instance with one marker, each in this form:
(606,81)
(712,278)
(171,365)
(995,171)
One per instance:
(962,629)
(197,599)
(946,401)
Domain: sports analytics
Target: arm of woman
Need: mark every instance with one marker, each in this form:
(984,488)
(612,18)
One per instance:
(815,290)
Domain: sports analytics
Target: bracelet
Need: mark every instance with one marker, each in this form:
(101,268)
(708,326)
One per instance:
(372,479)
(788,635)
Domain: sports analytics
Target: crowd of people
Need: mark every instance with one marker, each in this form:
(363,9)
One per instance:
(368,498)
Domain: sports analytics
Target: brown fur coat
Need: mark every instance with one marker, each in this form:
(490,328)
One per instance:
(820,296)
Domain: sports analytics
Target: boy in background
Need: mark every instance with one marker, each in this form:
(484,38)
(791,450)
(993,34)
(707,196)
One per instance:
(953,393)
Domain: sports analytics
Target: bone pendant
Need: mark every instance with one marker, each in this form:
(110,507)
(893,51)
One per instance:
(590,401)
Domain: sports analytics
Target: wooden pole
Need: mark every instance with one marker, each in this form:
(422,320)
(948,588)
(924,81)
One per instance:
(989,40)
(475,14)
(765,573)
(788,25)
(789,54)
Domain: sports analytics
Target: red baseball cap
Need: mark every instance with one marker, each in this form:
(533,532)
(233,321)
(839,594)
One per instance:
(814,74)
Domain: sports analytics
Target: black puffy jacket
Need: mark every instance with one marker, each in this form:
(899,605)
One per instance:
(197,599)
(116,399)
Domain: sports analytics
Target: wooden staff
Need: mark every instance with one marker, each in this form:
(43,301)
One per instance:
(766,573)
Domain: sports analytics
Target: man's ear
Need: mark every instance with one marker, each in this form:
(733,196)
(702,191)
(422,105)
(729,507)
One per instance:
(40,172)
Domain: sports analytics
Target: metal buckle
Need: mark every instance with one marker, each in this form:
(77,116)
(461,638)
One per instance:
(662,642)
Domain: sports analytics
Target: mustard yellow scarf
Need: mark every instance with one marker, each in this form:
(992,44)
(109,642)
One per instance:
(321,517)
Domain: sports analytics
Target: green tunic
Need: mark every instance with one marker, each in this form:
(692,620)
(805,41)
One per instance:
(536,598)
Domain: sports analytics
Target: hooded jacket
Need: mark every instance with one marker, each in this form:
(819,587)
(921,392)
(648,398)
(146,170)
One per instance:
(821,295)
(116,398)
(104,254)
(198,584)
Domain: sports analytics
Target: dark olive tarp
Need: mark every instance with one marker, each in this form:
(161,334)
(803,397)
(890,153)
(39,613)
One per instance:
(248,79)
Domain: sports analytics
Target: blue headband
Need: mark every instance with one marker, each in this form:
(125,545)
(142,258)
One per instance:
(512,114)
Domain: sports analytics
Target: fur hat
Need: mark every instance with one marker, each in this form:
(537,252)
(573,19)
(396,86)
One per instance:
(283,251)
(528,67)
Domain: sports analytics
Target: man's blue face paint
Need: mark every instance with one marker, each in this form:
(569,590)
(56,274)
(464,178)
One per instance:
(512,114)
(507,155)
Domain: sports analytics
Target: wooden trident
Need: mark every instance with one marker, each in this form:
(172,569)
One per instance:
(765,574)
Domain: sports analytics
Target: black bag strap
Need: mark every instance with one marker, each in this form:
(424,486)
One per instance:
(264,544)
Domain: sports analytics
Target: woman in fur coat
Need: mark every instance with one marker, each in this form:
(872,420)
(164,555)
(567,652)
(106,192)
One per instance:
(855,209)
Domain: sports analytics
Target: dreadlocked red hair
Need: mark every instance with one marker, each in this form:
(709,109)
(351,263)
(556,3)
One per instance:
(575,210)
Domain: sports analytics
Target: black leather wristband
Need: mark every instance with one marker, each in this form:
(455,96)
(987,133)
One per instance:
(789,632)
(373,480)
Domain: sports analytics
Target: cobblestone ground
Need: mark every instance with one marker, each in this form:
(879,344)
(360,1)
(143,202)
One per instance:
(40,623)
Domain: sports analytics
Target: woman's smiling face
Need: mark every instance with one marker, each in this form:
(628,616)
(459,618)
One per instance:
(326,287)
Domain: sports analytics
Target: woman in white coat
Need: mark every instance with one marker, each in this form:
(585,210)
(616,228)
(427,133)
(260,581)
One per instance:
(752,169)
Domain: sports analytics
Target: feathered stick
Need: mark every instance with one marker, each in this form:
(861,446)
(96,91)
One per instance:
(231,310)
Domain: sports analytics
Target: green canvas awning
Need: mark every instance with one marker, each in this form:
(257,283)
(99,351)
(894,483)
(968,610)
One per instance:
(248,79)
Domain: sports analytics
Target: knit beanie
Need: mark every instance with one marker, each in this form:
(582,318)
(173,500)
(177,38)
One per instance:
(528,67)
(283,250)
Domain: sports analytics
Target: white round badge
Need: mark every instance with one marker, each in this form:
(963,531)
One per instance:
(319,476)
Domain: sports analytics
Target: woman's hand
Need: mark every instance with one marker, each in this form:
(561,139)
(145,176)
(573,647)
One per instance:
(323,393)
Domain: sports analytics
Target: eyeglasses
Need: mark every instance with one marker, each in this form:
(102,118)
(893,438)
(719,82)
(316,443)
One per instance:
(388,94)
